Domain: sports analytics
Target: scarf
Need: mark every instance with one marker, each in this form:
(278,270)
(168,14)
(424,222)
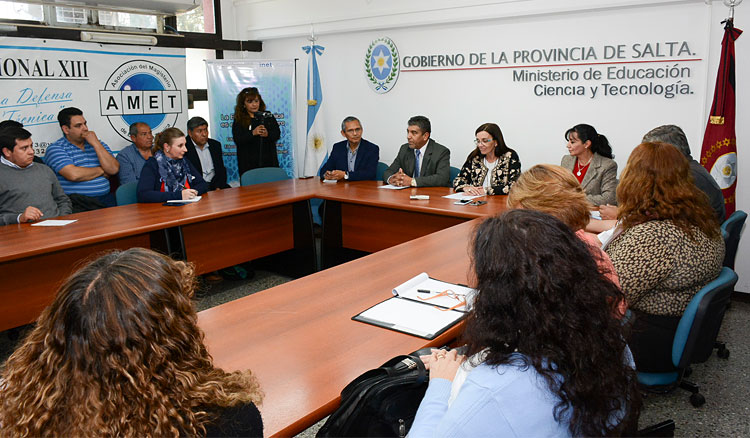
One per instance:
(175,174)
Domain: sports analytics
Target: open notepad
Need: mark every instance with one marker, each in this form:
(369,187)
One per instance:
(422,306)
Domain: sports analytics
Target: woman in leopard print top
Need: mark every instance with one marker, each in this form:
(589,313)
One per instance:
(669,247)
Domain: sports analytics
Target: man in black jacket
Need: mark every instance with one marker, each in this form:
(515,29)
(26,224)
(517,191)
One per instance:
(206,154)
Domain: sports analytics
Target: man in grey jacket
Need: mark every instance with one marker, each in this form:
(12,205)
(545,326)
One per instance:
(422,162)
(28,190)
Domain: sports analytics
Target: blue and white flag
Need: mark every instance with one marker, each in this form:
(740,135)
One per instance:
(316,149)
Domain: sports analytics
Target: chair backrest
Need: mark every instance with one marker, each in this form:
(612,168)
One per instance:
(454,174)
(733,227)
(126,194)
(701,321)
(381,169)
(263,175)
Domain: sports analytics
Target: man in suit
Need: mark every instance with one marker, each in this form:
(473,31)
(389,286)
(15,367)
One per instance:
(205,154)
(354,159)
(422,162)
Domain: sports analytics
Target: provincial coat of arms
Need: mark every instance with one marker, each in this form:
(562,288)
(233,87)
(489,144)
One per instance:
(382,65)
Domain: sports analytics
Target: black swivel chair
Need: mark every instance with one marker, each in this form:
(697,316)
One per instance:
(695,337)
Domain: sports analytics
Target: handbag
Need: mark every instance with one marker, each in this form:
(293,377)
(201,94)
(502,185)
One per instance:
(381,402)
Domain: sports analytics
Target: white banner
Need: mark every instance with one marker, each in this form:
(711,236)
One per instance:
(113,85)
(275,81)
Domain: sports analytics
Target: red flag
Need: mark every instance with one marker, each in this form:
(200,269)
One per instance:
(719,151)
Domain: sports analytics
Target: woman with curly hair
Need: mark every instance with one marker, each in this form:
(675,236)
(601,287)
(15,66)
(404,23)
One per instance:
(491,168)
(591,161)
(255,132)
(553,190)
(118,353)
(546,354)
(666,248)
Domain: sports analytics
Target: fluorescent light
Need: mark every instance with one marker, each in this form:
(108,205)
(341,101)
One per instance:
(118,38)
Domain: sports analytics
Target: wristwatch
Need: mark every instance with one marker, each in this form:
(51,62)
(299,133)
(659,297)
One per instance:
(346,175)
(413,182)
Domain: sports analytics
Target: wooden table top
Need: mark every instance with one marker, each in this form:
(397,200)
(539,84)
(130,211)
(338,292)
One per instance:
(23,240)
(370,193)
(300,341)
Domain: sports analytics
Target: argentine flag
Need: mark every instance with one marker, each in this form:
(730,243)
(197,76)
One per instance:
(316,149)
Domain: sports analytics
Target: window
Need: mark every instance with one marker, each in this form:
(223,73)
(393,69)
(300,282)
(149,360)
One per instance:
(71,15)
(200,19)
(124,19)
(21,11)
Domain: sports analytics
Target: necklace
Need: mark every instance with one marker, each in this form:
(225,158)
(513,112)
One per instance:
(580,168)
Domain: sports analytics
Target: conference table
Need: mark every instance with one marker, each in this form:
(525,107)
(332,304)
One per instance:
(226,227)
(298,338)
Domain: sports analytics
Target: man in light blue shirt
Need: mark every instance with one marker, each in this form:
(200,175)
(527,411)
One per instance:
(82,162)
(133,157)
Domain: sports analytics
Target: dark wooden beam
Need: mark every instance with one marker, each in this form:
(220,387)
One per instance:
(188,40)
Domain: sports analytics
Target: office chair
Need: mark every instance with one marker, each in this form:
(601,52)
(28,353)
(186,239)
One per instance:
(454,174)
(695,337)
(263,175)
(379,172)
(733,227)
(126,194)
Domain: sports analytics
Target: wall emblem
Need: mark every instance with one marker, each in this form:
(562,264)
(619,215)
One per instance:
(382,65)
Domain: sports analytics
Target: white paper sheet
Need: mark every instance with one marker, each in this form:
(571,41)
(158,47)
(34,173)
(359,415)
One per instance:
(596,215)
(184,201)
(53,223)
(410,290)
(460,196)
(392,187)
(410,317)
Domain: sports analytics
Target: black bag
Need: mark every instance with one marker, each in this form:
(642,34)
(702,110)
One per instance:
(381,402)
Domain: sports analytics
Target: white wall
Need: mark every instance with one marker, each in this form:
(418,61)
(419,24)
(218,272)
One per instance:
(458,101)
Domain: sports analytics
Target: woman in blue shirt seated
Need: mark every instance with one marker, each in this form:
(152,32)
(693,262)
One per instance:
(546,354)
(166,175)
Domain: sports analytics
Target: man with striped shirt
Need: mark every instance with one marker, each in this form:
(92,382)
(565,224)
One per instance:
(82,162)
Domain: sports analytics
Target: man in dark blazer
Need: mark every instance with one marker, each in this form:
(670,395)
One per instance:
(354,159)
(205,154)
(422,162)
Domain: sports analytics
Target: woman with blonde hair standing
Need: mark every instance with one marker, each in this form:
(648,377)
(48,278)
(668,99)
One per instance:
(119,353)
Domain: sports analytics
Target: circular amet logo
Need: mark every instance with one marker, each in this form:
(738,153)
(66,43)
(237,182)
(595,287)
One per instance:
(724,170)
(140,91)
(382,65)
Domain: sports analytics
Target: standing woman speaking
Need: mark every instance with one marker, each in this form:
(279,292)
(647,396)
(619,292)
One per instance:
(255,132)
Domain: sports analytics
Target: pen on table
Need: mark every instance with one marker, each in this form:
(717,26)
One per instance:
(424,291)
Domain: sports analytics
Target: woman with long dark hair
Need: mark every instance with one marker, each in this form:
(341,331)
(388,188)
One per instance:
(592,163)
(255,132)
(666,248)
(167,175)
(546,355)
(119,353)
(491,168)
